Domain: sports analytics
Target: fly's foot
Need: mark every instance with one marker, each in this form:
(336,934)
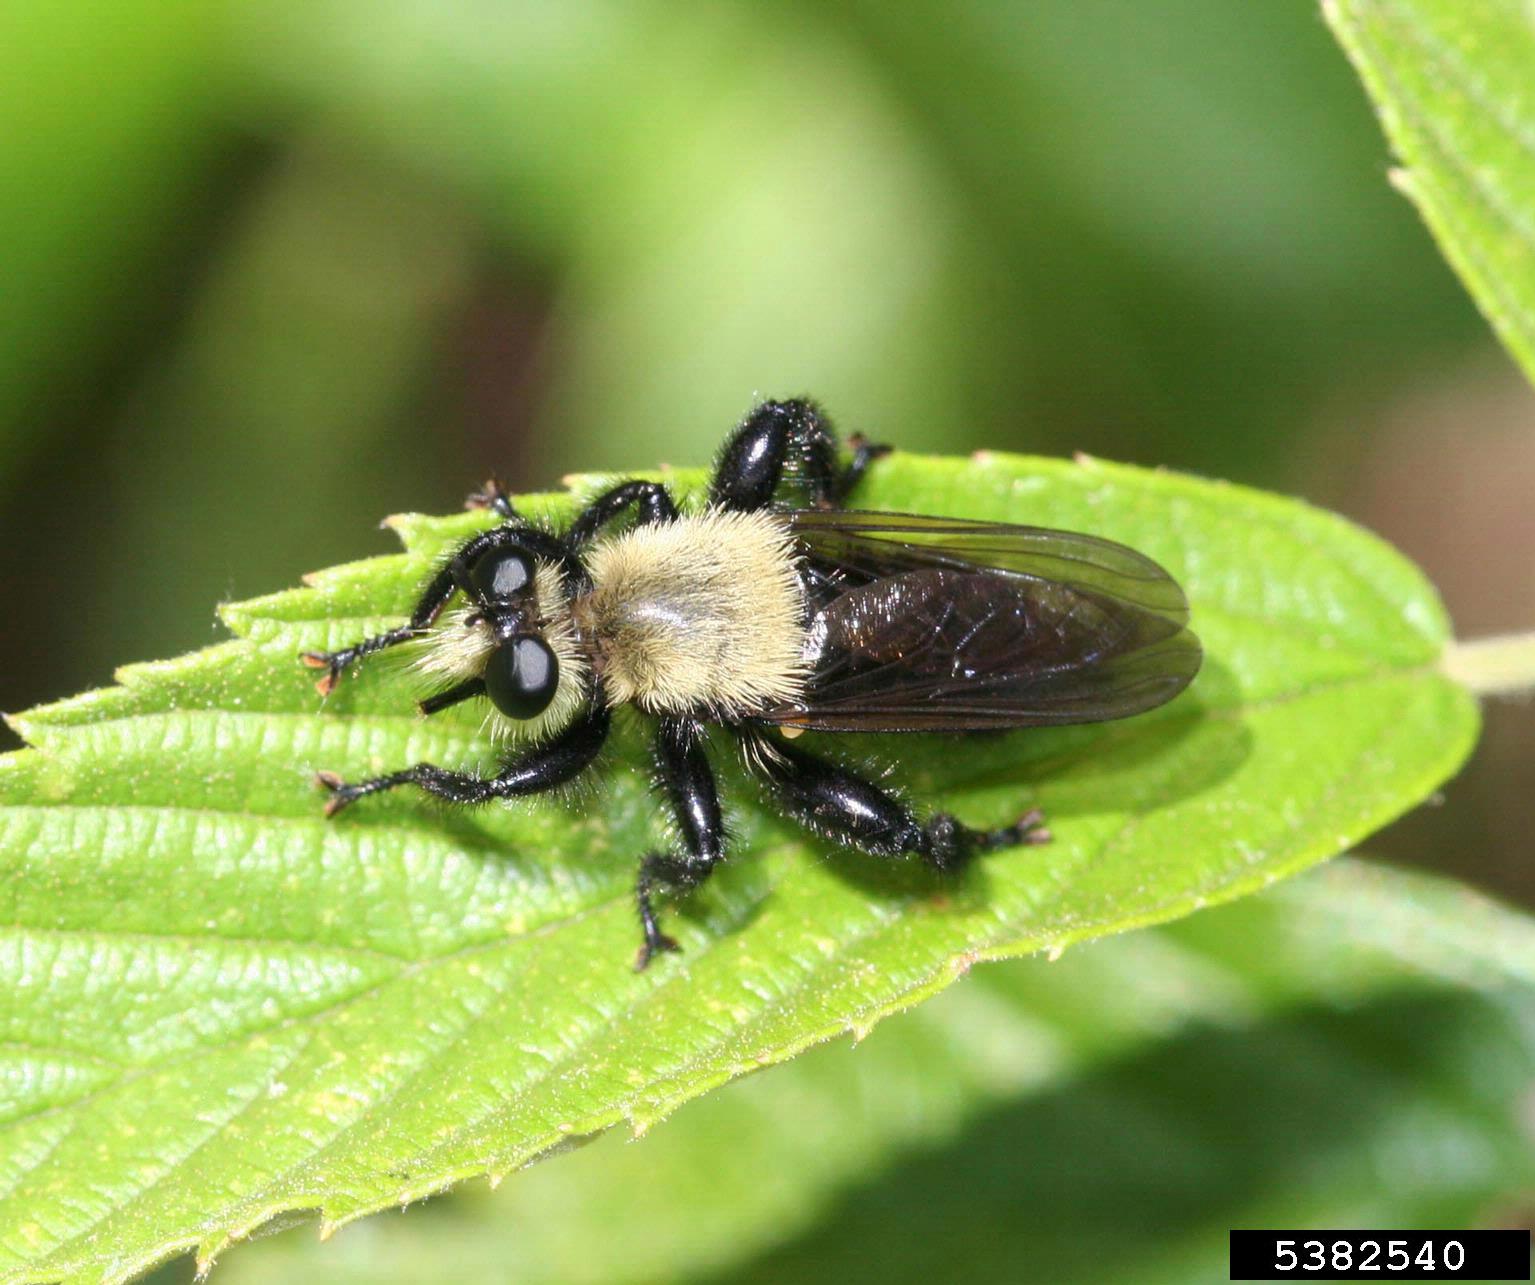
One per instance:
(1030,829)
(658,873)
(492,496)
(341,794)
(652,946)
(865,453)
(332,662)
(948,846)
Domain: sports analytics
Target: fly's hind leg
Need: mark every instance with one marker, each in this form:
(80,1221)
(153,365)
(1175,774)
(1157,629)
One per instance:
(755,456)
(684,773)
(849,809)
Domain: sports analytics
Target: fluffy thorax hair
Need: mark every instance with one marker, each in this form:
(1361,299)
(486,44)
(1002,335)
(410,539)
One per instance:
(704,613)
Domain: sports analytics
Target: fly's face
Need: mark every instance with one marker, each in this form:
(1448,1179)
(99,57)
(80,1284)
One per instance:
(522,670)
(511,641)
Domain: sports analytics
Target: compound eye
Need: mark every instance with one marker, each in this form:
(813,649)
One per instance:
(498,577)
(522,676)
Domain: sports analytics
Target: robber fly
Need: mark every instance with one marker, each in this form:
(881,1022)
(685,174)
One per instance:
(772,621)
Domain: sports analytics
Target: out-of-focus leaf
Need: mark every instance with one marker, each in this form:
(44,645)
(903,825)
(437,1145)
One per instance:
(106,114)
(1065,225)
(317,332)
(1351,1048)
(220,1007)
(1455,87)
(689,280)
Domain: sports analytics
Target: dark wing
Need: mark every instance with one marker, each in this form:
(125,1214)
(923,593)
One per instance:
(930,624)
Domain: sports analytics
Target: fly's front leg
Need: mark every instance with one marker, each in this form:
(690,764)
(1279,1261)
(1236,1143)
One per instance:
(755,456)
(428,607)
(849,809)
(684,773)
(541,768)
(651,500)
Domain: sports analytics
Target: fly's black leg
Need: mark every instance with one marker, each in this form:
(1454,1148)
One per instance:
(754,458)
(542,768)
(688,780)
(851,810)
(433,599)
(652,500)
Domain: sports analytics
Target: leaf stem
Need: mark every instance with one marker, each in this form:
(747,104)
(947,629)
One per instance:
(1500,666)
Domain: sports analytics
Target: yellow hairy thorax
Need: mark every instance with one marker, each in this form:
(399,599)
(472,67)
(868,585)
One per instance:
(705,611)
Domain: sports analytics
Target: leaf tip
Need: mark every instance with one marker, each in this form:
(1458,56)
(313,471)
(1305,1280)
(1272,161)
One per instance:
(234,617)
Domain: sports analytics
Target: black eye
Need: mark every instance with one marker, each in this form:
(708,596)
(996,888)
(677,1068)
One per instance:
(521,677)
(499,576)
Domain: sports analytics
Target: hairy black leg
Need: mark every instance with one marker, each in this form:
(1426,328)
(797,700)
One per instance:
(652,500)
(541,768)
(754,457)
(852,810)
(450,577)
(428,607)
(685,774)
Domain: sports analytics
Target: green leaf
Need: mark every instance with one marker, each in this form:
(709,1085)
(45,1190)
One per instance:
(1455,87)
(219,1007)
(1257,1065)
